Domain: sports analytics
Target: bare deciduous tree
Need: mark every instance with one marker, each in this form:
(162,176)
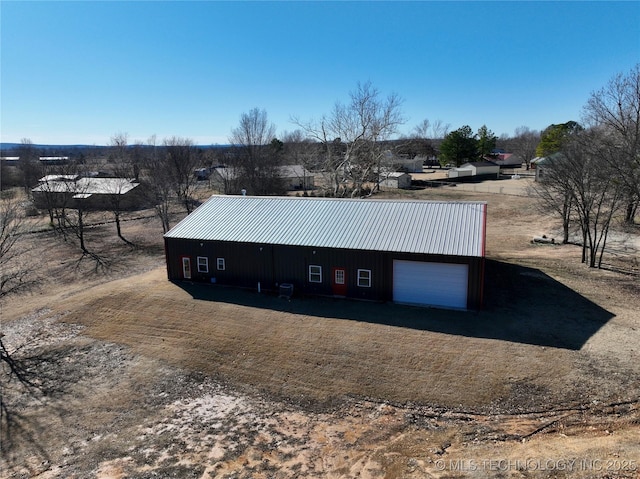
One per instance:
(419,142)
(616,107)
(123,171)
(168,175)
(428,130)
(300,150)
(181,158)
(524,144)
(28,164)
(555,194)
(254,131)
(17,272)
(352,136)
(56,192)
(157,182)
(577,181)
(332,153)
(17,275)
(256,154)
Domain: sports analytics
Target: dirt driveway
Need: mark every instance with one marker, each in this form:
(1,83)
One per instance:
(146,378)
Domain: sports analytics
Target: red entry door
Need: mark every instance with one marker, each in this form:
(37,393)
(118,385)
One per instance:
(339,281)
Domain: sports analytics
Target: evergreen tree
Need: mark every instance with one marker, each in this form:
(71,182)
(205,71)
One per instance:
(458,147)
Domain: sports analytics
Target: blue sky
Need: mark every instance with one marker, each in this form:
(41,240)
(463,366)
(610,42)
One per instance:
(80,72)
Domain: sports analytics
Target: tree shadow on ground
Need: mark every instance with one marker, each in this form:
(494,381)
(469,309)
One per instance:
(521,305)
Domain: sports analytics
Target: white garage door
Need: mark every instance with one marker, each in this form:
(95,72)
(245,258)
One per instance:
(433,284)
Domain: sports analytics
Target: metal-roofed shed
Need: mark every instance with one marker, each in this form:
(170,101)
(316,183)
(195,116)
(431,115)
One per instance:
(73,191)
(476,169)
(371,249)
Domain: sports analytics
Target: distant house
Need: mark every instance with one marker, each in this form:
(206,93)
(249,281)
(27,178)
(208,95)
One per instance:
(54,160)
(507,160)
(45,160)
(294,177)
(540,163)
(459,172)
(398,163)
(409,165)
(407,251)
(536,160)
(223,177)
(478,169)
(10,160)
(429,161)
(202,174)
(395,179)
(73,191)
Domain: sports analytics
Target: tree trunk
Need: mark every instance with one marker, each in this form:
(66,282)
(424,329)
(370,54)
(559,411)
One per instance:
(163,213)
(604,243)
(593,249)
(119,228)
(566,220)
(592,256)
(630,212)
(81,231)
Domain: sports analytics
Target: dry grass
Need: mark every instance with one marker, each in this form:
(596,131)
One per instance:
(276,346)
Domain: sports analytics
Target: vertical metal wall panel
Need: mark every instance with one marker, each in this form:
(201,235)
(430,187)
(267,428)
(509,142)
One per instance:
(248,264)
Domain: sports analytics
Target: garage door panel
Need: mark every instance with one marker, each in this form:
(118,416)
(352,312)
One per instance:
(433,284)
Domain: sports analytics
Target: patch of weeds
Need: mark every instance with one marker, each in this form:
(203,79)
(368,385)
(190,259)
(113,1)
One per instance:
(268,466)
(287,456)
(525,396)
(168,461)
(421,421)
(178,471)
(144,457)
(177,447)
(103,450)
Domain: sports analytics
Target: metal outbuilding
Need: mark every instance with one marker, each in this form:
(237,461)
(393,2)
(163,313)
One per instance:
(395,180)
(73,191)
(416,252)
(477,169)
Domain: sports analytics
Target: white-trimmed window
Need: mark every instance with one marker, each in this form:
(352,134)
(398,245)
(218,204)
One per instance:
(220,264)
(364,278)
(203,264)
(315,273)
(186,267)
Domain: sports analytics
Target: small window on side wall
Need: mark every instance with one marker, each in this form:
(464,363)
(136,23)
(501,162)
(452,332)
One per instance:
(315,273)
(220,264)
(203,264)
(364,278)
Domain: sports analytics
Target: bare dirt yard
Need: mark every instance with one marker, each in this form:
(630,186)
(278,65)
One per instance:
(139,377)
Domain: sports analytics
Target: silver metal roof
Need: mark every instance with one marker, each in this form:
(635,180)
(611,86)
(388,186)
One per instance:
(431,227)
(85,186)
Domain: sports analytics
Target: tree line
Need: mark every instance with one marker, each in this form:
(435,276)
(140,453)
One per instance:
(353,147)
(591,173)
